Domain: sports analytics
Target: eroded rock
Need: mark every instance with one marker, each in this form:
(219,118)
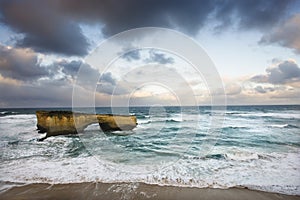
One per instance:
(66,122)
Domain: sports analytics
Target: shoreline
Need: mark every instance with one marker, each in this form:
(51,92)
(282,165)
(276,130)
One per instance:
(99,190)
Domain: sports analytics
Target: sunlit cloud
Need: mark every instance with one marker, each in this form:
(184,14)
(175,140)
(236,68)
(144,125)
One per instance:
(285,34)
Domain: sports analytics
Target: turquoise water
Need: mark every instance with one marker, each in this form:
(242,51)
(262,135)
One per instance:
(255,146)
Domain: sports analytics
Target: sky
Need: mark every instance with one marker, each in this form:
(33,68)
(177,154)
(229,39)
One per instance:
(254,45)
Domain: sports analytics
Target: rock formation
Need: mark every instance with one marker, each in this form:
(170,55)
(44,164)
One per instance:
(66,122)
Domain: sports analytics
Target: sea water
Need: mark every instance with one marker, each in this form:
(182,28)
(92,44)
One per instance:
(257,147)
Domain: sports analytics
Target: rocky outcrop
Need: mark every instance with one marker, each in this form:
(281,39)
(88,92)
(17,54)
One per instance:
(66,122)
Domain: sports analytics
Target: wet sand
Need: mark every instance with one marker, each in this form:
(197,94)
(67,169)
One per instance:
(125,191)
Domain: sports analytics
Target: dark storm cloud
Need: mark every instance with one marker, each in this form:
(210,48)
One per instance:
(20,64)
(122,15)
(70,68)
(188,16)
(285,72)
(53,25)
(44,28)
(24,65)
(251,14)
(54,89)
(43,94)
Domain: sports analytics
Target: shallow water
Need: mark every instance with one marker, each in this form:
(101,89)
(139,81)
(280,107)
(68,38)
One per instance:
(257,147)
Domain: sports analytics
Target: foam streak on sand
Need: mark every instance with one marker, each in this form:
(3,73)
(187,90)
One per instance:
(126,191)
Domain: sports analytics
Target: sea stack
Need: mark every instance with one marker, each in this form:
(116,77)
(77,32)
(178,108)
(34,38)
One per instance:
(66,122)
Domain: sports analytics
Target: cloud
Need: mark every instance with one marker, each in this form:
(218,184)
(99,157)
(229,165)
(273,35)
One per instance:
(255,14)
(107,77)
(118,16)
(283,73)
(287,71)
(287,34)
(261,78)
(54,26)
(38,95)
(25,82)
(288,95)
(24,65)
(70,68)
(161,58)
(44,28)
(279,85)
(263,94)
(261,89)
(109,85)
(20,64)
(232,89)
(109,89)
(187,16)
(132,55)
(9,81)
(148,56)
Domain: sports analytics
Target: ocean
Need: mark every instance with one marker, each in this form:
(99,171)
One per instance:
(257,147)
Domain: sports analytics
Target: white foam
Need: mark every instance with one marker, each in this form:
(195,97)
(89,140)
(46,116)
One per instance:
(275,115)
(196,173)
(143,121)
(278,125)
(18,119)
(241,156)
(20,116)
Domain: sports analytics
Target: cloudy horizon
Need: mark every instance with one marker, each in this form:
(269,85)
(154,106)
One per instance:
(255,46)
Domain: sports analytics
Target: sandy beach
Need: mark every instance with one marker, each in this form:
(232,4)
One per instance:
(125,191)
